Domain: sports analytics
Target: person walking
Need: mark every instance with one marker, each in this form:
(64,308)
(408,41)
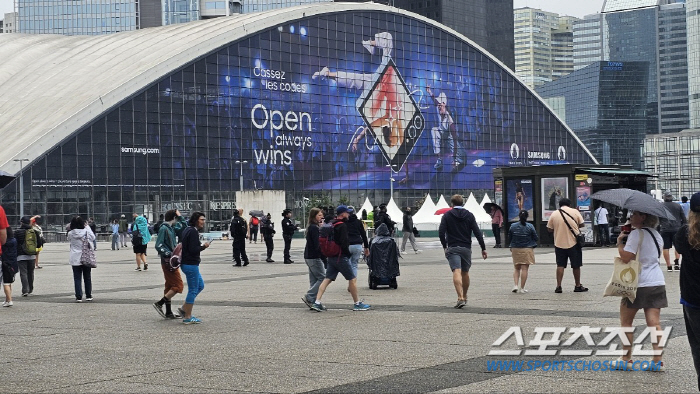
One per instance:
(40,241)
(140,237)
(340,264)
(8,256)
(561,223)
(685,205)
(455,231)
(523,239)
(254,227)
(313,257)
(601,217)
(78,234)
(115,234)
(669,228)
(239,233)
(267,230)
(357,237)
(496,224)
(687,243)
(165,245)
(191,250)
(407,230)
(643,244)
(26,254)
(123,230)
(288,230)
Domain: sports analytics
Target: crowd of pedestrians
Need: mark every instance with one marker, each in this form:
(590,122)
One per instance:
(178,244)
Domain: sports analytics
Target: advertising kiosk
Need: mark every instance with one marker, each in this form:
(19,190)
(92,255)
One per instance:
(538,190)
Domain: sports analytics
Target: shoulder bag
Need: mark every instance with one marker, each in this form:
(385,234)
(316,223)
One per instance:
(580,237)
(87,256)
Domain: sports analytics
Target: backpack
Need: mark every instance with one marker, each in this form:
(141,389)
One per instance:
(30,242)
(136,236)
(328,246)
(254,221)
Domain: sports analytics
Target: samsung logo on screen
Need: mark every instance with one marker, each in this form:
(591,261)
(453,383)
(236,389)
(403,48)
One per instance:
(539,155)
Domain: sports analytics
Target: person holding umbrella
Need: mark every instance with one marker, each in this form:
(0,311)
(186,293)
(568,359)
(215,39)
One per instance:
(644,245)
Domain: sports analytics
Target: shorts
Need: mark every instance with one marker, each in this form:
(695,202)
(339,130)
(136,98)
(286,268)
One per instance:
(339,265)
(573,254)
(173,279)
(524,256)
(8,273)
(667,236)
(140,249)
(459,257)
(648,297)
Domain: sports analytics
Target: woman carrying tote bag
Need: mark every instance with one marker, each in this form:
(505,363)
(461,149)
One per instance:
(651,291)
(77,235)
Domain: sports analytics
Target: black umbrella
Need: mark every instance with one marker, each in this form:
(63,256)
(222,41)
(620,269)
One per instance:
(634,200)
(5,178)
(488,205)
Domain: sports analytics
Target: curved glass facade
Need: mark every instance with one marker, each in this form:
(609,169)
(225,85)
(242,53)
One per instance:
(335,105)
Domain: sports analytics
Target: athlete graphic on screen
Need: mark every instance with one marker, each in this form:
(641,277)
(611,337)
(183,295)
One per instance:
(384,104)
(445,133)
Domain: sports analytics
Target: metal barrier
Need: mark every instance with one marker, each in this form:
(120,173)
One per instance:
(55,236)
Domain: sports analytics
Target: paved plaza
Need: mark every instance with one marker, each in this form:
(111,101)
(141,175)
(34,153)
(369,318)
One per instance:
(258,336)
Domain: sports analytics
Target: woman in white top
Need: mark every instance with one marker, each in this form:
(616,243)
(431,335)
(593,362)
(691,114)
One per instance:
(651,293)
(78,232)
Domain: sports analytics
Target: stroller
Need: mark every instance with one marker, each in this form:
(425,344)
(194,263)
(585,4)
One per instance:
(383,259)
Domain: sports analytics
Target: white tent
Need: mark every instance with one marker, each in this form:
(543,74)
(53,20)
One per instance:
(426,213)
(479,213)
(367,206)
(442,203)
(486,200)
(394,212)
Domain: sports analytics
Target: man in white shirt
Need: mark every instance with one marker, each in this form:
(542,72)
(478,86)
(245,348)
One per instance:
(601,217)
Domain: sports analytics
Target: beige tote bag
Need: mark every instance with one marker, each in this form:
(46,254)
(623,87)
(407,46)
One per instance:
(625,277)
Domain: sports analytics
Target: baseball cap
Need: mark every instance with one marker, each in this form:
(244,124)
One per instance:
(341,209)
(351,209)
(668,195)
(695,202)
(25,219)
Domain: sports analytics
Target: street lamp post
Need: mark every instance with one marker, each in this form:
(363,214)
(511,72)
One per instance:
(241,175)
(391,179)
(21,186)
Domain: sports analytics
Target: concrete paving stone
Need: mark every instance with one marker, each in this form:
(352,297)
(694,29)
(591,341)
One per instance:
(258,336)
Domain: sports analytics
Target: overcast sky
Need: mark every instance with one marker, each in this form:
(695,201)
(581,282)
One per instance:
(564,7)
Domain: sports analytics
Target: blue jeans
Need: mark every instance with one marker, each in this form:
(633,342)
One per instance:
(115,241)
(317,272)
(603,230)
(80,273)
(356,253)
(195,283)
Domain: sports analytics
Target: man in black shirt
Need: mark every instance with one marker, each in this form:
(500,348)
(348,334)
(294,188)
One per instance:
(340,264)
(267,230)
(288,229)
(455,236)
(239,233)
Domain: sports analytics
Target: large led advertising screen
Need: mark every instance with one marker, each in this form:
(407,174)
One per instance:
(340,100)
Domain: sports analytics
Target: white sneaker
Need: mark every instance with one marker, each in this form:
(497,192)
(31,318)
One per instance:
(368,46)
(522,291)
(418,251)
(7,303)
(403,252)
(515,289)
(323,74)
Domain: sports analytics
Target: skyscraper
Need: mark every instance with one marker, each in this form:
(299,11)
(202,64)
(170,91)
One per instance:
(652,31)
(693,30)
(543,45)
